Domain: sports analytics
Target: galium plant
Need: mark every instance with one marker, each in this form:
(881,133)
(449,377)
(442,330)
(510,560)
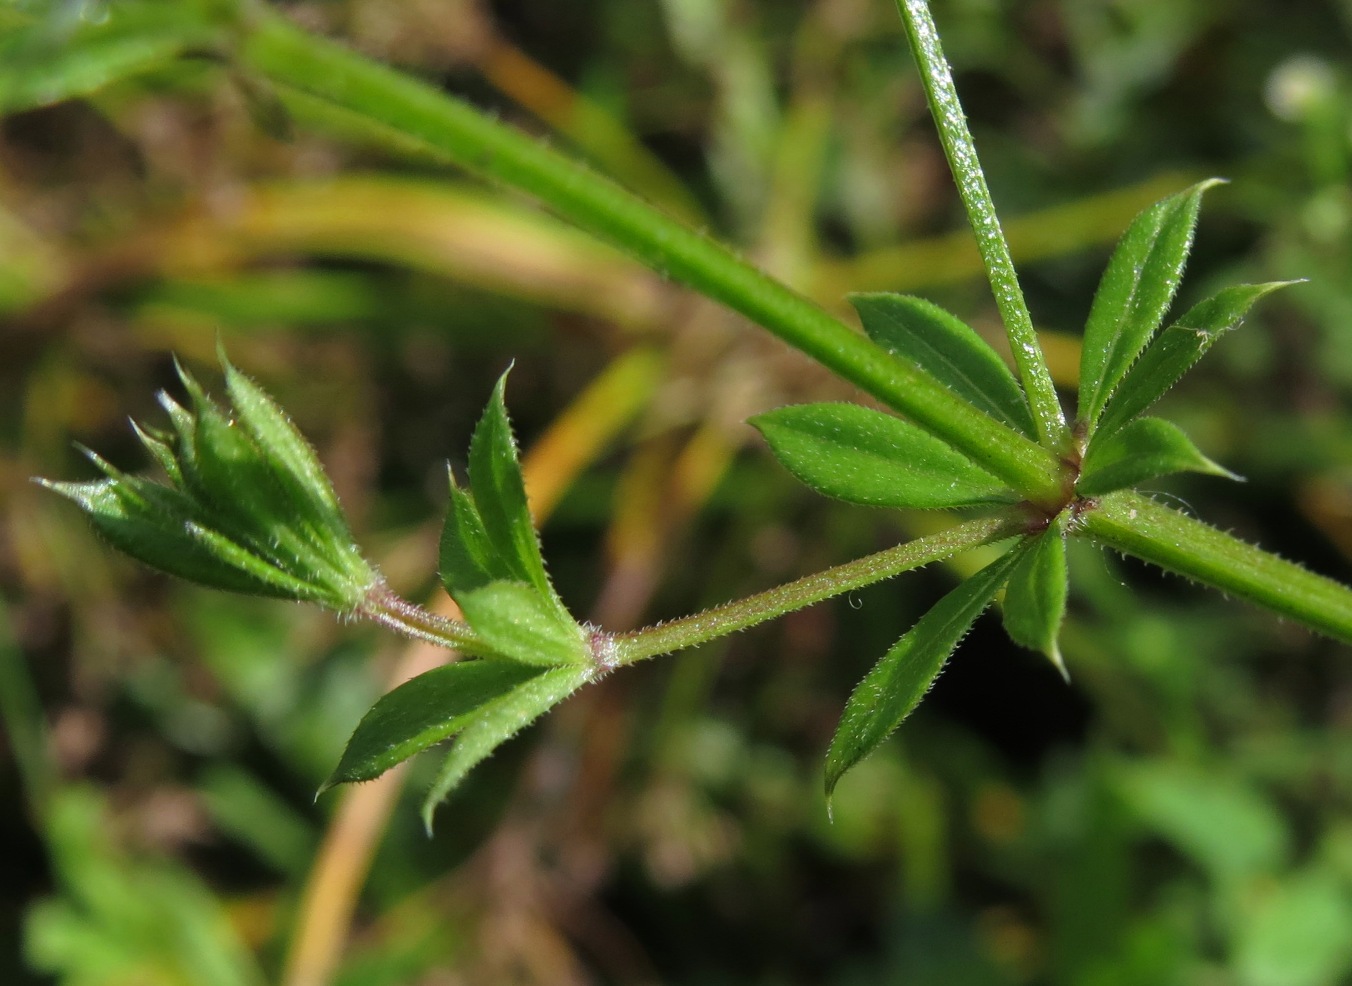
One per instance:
(247,507)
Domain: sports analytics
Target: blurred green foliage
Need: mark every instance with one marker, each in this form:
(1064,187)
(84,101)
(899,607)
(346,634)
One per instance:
(1182,813)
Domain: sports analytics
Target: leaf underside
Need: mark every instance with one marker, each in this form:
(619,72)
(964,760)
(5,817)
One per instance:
(864,456)
(424,711)
(897,683)
(495,723)
(1143,450)
(519,622)
(1035,598)
(947,349)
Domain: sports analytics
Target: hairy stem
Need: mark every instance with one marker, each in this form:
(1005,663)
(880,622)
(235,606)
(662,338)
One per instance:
(990,239)
(385,606)
(312,74)
(723,620)
(1139,526)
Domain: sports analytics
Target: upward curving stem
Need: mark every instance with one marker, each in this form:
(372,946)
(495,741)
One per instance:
(990,238)
(321,78)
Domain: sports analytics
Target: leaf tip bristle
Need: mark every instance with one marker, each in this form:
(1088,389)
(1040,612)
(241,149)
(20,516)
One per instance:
(1059,662)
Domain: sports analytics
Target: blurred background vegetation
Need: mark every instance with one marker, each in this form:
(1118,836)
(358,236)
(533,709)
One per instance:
(1182,813)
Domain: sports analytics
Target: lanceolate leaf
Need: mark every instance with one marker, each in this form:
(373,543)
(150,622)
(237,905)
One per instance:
(1177,349)
(1134,294)
(898,682)
(1141,451)
(500,495)
(425,710)
(150,523)
(864,456)
(48,61)
(295,465)
(1035,598)
(498,721)
(949,350)
(468,559)
(521,623)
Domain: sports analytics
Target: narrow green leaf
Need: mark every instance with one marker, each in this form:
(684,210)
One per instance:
(949,350)
(500,495)
(864,456)
(423,711)
(281,581)
(1143,450)
(519,622)
(498,721)
(233,481)
(1134,294)
(294,463)
(1035,598)
(468,561)
(898,682)
(48,61)
(158,527)
(1177,349)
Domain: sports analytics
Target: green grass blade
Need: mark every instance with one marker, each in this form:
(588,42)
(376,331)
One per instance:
(949,350)
(48,61)
(897,683)
(500,495)
(869,457)
(421,712)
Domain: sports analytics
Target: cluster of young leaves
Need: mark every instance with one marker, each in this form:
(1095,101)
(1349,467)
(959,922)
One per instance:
(538,655)
(870,457)
(247,506)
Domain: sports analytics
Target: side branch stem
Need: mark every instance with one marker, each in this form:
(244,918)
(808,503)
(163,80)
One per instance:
(723,620)
(385,606)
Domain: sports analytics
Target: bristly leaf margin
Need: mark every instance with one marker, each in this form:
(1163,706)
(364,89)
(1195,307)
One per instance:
(1136,290)
(949,350)
(897,683)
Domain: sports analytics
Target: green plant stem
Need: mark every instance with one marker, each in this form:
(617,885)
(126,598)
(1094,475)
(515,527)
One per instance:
(1137,525)
(990,239)
(314,74)
(723,620)
(384,606)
